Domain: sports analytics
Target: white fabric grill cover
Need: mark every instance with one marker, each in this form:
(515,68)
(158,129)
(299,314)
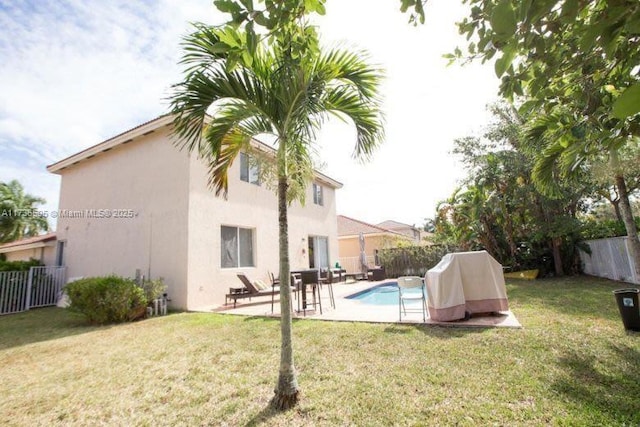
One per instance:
(465,281)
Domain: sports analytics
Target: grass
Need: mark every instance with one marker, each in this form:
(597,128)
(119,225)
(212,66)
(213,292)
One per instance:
(572,364)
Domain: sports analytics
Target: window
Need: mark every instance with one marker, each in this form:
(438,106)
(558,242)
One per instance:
(236,247)
(318,194)
(249,169)
(60,253)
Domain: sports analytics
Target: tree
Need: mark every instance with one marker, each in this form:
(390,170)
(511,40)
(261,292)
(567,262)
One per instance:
(607,190)
(282,85)
(575,64)
(19,216)
(499,209)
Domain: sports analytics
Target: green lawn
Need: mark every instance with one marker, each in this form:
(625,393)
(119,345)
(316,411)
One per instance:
(572,364)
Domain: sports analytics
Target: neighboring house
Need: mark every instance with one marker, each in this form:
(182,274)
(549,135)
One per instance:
(375,238)
(136,203)
(42,248)
(405,229)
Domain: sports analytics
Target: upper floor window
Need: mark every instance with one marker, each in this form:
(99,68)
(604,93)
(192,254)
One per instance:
(236,247)
(318,194)
(249,169)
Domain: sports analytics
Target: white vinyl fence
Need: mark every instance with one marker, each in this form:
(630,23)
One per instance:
(23,290)
(610,258)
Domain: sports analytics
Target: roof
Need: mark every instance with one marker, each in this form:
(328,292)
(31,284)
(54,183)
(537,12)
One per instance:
(145,129)
(353,227)
(28,243)
(104,146)
(393,225)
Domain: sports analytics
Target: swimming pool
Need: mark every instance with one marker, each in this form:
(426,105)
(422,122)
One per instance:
(384,294)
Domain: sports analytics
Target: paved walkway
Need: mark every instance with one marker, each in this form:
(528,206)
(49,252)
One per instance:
(352,310)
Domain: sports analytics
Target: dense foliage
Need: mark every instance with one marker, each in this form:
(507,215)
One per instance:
(498,208)
(574,64)
(19,215)
(412,260)
(19,265)
(109,299)
(602,228)
(153,289)
(572,67)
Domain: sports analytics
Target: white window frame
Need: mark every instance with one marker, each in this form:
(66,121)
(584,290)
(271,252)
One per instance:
(249,169)
(318,194)
(238,248)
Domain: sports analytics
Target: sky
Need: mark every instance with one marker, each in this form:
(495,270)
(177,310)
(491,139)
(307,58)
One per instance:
(76,72)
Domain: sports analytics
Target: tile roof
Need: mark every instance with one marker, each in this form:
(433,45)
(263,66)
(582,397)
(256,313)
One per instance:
(349,227)
(29,240)
(392,225)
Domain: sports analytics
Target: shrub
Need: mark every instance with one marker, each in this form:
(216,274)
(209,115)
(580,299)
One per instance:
(412,260)
(593,229)
(19,265)
(109,299)
(153,289)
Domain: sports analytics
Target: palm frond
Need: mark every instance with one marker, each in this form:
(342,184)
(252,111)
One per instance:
(227,135)
(272,93)
(544,174)
(366,116)
(201,90)
(350,67)
(203,48)
(299,169)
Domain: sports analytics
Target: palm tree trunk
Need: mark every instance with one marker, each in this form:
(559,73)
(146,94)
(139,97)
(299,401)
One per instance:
(556,243)
(287,391)
(629,223)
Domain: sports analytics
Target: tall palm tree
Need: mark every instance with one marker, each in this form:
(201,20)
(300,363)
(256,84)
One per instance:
(285,95)
(19,217)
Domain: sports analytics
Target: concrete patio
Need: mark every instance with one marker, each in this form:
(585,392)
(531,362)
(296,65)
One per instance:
(352,310)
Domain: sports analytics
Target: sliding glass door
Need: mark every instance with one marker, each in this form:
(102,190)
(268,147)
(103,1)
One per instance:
(318,252)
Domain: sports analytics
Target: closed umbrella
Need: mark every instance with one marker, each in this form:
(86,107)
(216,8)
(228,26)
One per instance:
(363,256)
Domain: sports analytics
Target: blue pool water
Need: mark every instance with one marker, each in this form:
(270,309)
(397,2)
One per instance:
(385,294)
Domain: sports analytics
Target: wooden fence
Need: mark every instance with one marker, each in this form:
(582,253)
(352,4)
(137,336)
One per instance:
(23,290)
(352,264)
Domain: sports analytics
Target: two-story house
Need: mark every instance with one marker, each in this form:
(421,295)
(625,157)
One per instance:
(136,203)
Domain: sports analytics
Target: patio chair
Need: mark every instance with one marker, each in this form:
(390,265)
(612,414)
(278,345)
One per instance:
(254,289)
(411,282)
(274,280)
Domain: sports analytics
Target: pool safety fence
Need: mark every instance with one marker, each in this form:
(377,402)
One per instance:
(23,290)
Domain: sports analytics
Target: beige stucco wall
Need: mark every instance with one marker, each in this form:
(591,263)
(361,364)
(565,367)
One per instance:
(147,176)
(349,248)
(176,231)
(247,206)
(46,255)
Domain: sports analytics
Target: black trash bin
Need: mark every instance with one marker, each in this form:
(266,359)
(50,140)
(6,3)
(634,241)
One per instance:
(629,308)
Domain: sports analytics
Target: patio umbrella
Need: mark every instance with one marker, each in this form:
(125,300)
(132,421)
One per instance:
(363,256)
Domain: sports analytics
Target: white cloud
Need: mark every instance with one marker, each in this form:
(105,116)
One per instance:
(76,72)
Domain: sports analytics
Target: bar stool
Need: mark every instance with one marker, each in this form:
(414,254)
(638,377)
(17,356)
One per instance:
(311,278)
(329,282)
